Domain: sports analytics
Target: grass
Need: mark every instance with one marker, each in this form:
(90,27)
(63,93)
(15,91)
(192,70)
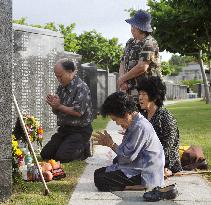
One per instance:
(194,122)
(100,123)
(31,193)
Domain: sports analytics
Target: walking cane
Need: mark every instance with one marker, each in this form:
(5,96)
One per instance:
(184,173)
(30,145)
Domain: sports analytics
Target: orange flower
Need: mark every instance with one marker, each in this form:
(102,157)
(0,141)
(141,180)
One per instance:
(40,130)
(52,162)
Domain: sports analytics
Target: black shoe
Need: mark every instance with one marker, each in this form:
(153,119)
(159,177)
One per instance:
(158,193)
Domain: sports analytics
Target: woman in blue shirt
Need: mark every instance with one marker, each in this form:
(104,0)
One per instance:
(140,156)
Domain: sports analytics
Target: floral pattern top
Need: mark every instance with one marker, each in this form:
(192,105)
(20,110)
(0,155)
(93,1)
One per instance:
(145,50)
(165,126)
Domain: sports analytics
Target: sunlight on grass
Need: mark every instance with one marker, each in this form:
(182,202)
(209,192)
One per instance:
(194,122)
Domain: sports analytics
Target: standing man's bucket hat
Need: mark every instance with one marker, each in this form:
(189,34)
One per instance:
(141,20)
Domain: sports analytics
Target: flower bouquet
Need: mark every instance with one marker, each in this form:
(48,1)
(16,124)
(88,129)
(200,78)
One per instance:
(21,155)
(33,128)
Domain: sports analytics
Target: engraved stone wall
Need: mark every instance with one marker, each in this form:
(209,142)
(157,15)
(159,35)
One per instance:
(35,54)
(5,98)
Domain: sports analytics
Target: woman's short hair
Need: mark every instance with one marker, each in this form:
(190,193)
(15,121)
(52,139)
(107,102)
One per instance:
(118,104)
(154,87)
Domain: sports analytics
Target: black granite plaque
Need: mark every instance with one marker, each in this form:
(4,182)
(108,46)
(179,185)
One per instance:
(88,73)
(102,87)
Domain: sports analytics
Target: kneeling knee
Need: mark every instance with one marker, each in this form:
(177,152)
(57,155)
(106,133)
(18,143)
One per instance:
(67,157)
(45,154)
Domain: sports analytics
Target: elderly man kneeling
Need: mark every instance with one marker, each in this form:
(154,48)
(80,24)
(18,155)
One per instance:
(140,156)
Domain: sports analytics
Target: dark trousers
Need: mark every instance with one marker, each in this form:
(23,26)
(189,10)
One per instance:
(114,181)
(68,144)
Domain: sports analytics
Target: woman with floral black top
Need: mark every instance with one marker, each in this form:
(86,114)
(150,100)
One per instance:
(151,96)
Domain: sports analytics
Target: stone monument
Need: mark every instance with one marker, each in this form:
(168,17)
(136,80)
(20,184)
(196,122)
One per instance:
(35,54)
(102,87)
(5,98)
(88,73)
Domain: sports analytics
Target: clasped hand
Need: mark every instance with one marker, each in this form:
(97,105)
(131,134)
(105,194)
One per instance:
(103,139)
(120,82)
(122,86)
(53,101)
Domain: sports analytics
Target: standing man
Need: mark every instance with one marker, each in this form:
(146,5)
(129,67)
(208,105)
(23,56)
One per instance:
(73,108)
(141,54)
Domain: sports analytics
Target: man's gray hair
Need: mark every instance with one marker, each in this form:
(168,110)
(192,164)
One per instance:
(67,64)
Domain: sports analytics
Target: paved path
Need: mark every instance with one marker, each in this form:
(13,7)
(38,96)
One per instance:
(170,102)
(193,190)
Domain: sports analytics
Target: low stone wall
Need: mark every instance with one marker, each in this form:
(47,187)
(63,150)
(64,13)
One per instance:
(199,89)
(176,91)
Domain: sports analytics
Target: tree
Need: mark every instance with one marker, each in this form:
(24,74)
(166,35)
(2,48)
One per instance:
(167,68)
(183,26)
(71,43)
(131,11)
(190,83)
(99,50)
(178,62)
(21,21)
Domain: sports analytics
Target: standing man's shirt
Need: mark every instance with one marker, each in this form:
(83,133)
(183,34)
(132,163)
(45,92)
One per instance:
(145,50)
(77,95)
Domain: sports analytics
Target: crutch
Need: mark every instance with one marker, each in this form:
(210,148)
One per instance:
(46,192)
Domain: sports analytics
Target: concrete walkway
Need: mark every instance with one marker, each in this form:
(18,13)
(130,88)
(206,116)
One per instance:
(170,102)
(193,190)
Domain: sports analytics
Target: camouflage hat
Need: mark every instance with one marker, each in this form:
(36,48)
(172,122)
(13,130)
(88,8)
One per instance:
(141,20)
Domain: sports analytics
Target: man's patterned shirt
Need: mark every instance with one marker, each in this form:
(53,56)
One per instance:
(77,95)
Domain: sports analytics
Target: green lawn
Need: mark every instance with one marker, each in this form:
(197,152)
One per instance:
(31,193)
(100,123)
(194,122)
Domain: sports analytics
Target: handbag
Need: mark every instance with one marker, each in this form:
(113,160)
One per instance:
(193,158)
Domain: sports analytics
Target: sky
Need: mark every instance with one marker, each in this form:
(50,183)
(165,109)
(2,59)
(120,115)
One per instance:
(105,16)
